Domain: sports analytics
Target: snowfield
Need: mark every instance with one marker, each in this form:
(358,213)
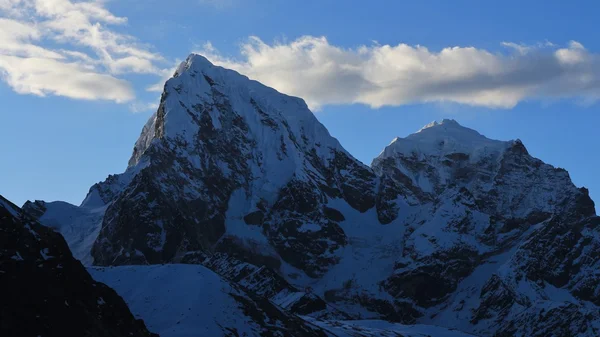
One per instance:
(179,300)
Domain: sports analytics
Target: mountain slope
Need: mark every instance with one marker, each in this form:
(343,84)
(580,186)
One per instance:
(46,292)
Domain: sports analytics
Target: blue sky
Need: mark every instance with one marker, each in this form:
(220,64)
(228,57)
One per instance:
(77,76)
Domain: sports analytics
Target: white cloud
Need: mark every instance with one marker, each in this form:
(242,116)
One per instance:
(42,76)
(321,73)
(86,56)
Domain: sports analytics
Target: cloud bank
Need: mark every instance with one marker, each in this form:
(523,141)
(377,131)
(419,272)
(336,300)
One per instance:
(383,75)
(67,48)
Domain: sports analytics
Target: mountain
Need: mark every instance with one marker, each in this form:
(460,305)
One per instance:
(446,227)
(46,292)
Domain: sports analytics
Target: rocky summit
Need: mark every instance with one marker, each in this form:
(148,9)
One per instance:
(446,227)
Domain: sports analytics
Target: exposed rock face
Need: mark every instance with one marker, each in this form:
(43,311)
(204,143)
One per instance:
(446,226)
(46,292)
(549,285)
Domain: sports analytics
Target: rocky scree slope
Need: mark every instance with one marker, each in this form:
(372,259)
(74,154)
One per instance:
(446,227)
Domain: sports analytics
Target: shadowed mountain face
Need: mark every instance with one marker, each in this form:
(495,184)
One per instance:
(46,292)
(446,227)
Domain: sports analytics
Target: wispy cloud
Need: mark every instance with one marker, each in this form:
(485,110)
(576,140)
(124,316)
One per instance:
(378,75)
(86,54)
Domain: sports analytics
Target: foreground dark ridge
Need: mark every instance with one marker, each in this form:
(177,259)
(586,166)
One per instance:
(44,291)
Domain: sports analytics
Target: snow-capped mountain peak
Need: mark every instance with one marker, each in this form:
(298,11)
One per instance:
(200,95)
(444,138)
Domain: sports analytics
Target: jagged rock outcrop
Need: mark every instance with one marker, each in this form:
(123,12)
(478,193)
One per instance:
(44,291)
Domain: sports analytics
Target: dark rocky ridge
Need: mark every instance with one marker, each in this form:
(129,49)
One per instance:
(44,291)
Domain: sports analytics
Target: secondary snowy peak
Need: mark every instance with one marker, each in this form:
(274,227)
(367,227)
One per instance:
(445,156)
(443,138)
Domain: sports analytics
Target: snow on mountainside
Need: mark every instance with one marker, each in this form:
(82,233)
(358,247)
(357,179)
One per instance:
(447,227)
(197,302)
(78,225)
